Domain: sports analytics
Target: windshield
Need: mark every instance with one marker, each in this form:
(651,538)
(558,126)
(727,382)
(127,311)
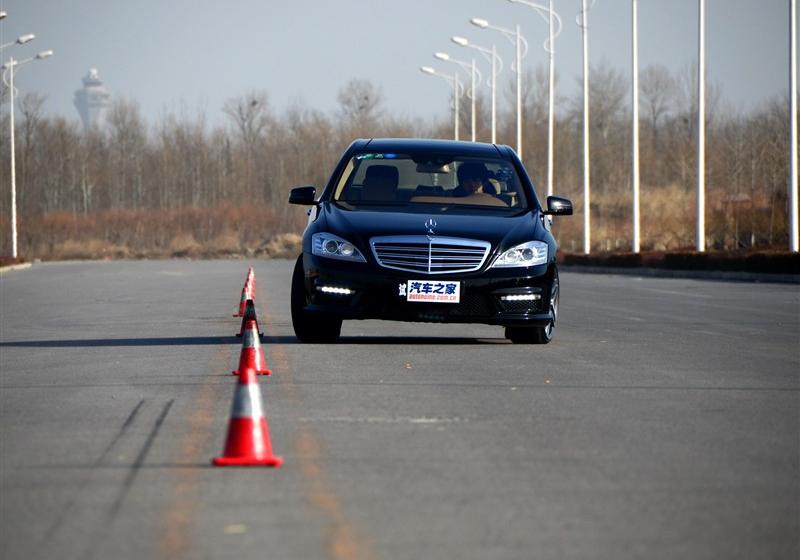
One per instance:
(449,182)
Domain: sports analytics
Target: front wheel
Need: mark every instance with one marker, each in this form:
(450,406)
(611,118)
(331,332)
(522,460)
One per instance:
(308,325)
(537,335)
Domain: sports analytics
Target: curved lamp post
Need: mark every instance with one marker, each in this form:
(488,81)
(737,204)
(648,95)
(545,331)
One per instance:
(8,72)
(455,84)
(492,56)
(473,71)
(554,21)
(521,46)
(21,40)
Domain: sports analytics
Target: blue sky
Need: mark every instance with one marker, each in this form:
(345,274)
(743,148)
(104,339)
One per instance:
(190,56)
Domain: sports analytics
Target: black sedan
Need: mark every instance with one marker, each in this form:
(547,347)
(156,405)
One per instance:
(427,230)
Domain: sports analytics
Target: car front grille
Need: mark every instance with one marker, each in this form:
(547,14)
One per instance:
(434,255)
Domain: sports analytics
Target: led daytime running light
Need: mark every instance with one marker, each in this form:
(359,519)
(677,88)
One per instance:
(335,290)
(521,297)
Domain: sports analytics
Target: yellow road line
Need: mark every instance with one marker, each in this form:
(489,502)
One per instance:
(175,542)
(343,541)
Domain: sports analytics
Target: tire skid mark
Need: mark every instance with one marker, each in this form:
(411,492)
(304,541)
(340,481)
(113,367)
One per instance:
(343,542)
(97,463)
(102,531)
(137,464)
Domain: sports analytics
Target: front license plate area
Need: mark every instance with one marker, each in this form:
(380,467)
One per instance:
(432,291)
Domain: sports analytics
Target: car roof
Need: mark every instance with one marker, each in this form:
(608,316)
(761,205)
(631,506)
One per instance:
(476,149)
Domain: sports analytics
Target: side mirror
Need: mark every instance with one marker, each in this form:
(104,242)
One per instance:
(558,206)
(303,195)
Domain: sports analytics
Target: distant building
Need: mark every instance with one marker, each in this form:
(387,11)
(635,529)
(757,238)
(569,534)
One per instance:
(92,100)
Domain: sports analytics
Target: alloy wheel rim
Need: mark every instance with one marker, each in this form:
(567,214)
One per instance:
(548,330)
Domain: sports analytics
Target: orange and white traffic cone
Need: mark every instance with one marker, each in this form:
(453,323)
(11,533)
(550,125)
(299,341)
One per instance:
(249,315)
(242,302)
(251,278)
(252,356)
(248,291)
(248,442)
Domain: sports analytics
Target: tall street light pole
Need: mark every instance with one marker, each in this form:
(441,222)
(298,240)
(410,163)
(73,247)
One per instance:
(794,238)
(701,127)
(474,72)
(583,22)
(456,85)
(551,114)
(635,124)
(521,46)
(492,56)
(9,68)
(14,255)
(554,22)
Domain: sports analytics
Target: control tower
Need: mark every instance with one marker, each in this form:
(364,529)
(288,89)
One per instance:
(92,100)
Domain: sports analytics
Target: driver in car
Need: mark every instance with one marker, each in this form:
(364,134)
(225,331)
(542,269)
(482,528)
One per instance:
(473,178)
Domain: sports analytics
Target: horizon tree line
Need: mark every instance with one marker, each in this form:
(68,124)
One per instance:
(182,163)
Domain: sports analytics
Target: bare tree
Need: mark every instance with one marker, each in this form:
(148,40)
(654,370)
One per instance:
(608,91)
(91,150)
(534,116)
(31,106)
(127,142)
(250,115)
(608,96)
(361,105)
(683,150)
(657,87)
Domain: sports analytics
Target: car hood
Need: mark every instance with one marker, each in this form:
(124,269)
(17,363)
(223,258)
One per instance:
(359,226)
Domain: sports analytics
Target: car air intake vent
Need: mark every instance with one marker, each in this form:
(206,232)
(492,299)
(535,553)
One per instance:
(434,255)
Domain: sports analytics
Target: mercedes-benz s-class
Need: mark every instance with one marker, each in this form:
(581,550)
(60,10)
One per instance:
(427,230)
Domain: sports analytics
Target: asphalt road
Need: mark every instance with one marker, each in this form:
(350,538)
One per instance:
(662,422)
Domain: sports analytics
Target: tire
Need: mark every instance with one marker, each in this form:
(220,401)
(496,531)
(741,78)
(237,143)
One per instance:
(309,326)
(537,335)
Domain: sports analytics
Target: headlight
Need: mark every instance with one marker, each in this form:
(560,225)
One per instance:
(333,247)
(527,254)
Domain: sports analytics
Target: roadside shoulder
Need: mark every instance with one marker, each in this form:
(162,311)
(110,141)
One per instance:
(733,276)
(10,268)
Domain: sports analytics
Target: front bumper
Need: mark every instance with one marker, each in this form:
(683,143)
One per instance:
(375,294)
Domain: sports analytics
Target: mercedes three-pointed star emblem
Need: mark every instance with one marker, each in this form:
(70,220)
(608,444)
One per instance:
(430,224)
